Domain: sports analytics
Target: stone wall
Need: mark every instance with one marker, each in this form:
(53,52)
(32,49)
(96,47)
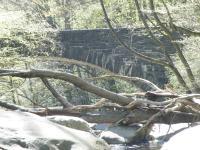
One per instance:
(99,47)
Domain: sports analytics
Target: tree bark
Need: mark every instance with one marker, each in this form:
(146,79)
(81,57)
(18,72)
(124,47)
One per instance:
(138,115)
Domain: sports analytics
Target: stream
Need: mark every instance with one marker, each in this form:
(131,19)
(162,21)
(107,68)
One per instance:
(142,146)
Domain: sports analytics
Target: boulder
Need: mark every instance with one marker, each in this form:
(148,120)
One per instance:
(187,139)
(22,131)
(71,122)
(119,134)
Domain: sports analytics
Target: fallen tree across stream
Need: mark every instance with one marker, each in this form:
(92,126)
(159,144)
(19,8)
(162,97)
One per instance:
(156,106)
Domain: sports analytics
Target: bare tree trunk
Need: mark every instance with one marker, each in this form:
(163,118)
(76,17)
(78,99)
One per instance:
(177,47)
(142,56)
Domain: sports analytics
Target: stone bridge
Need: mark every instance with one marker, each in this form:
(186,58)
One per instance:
(98,46)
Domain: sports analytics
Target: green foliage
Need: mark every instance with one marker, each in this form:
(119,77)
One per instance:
(29,27)
(186,15)
(121,12)
(22,38)
(191,51)
(90,17)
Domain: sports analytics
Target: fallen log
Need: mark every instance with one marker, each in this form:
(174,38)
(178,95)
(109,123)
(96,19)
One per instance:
(106,114)
(139,116)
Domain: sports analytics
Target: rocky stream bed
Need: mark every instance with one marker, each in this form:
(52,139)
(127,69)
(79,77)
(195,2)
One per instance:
(22,131)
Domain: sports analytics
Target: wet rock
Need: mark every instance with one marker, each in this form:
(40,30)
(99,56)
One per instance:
(112,138)
(23,131)
(71,122)
(119,134)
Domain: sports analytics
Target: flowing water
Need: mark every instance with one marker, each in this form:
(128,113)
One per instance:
(142,146)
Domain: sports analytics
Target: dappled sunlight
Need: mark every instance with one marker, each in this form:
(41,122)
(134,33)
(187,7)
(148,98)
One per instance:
(90,74)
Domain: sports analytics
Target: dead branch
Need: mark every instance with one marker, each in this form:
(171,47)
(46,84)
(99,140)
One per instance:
(12,106)
(129,111)
(188,96)
(76,62)
(140,94)
(59,97)
(187,31)
(132,80)
(82,84)
(159,95)
(109,116)
(176,105)
(144,131)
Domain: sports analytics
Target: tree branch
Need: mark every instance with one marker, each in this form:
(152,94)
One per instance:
(187,31)
(133,80)
(76,62)
(82,84)
(172,67)
(141,56)
(65,103)
(169,35)
(110,116)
